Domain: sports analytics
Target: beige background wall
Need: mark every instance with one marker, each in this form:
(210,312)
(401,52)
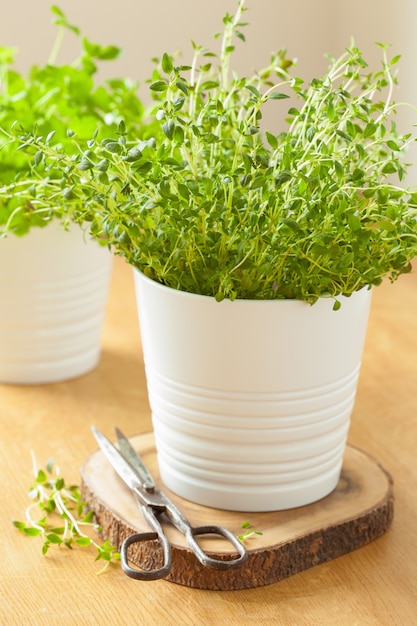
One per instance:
(307,28)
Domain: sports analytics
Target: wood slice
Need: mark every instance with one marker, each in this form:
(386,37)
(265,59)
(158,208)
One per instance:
(358,511)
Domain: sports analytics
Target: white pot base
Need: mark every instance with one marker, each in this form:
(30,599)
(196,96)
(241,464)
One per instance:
(252,498)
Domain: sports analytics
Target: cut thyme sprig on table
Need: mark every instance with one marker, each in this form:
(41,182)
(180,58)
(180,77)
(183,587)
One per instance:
(57,515)
(249,531)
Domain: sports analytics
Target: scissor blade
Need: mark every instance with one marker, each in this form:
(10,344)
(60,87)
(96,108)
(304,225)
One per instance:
(134,459)
(119,463)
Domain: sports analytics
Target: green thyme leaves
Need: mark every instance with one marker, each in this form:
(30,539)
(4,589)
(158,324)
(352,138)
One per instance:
(249,532)
(58,517)
(204,198)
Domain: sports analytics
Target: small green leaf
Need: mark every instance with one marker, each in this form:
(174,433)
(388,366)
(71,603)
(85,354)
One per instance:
(354,222)
(211,138)
(167,64)
(38,158)
(183,191)
(291,223)
(208,85)
(344,135)
(164,188)
(32,532)
(310,133)
(41,477)
(169,128)
(370,129)
(103,178)
(331,113)
(114,147)
(253,90)
(272,140)
(393,145)
(351,130)
(277,96)
(104,53)
(88,517)
(159,85)
(133,155)
(282,178)
(339,169)
(49,136)
(83,541)
(142,167)
(178,135)
(102,165)
(389,168)
(57,11)
(385,225)
(85,164)
(19,525)
(182,86)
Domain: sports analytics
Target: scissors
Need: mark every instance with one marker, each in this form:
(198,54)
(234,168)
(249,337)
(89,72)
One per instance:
(157,508)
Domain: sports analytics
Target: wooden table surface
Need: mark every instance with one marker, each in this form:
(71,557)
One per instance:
(374,585)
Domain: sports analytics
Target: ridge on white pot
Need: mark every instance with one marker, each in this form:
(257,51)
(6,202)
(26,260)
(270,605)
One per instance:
(53,289)
(251,399)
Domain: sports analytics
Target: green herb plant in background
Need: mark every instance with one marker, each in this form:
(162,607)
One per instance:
(213,203)
(51,98)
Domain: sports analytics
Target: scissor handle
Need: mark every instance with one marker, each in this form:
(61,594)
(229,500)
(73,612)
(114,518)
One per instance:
(142,574)
(202,556)
(209,561)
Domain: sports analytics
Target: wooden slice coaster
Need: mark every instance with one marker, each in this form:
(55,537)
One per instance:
(358,511)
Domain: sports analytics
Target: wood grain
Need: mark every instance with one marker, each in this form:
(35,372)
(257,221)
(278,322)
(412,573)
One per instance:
(358,511)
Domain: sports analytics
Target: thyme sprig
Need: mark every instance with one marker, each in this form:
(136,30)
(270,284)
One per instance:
(249,532)
(57,515)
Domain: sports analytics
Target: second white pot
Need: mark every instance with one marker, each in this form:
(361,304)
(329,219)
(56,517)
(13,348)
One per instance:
(251,400)
(53,290)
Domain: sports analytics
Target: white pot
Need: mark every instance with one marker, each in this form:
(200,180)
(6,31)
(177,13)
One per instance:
(251,400)
(53,289)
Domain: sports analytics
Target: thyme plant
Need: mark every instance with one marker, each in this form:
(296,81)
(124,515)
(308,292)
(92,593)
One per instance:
(211,202)
(53,97)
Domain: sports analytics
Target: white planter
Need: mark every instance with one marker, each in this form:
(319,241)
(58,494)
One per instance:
(251,400)
(53,289)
